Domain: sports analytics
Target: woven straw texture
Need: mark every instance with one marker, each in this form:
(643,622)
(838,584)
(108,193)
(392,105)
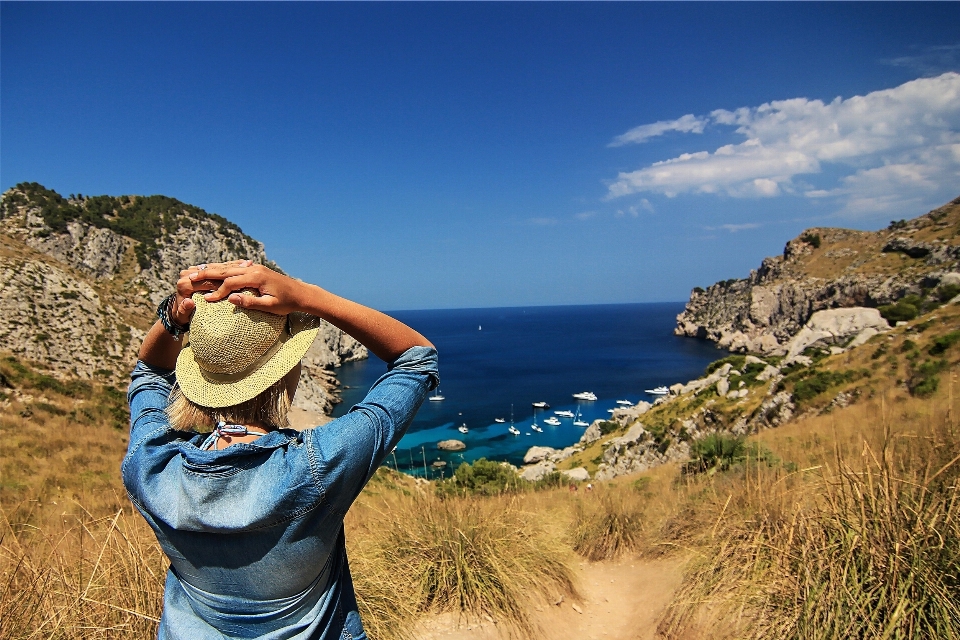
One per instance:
(234,354)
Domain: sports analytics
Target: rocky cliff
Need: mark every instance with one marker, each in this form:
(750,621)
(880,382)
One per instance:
(80,278)
(827,268)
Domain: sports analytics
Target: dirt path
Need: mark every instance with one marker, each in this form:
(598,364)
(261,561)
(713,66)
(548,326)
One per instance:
(621,601)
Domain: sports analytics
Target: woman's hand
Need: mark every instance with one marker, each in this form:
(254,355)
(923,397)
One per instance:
(184,306)
(275,292)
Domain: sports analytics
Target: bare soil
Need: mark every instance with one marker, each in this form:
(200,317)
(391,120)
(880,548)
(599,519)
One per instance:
(622,600)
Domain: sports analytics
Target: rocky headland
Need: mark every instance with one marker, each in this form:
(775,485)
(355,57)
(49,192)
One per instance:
(80,278)
(831,295)
(827,268)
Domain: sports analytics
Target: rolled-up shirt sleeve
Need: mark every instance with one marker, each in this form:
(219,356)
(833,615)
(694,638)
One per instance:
(345,453)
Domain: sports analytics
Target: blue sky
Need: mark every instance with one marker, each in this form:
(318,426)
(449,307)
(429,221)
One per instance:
(455,155)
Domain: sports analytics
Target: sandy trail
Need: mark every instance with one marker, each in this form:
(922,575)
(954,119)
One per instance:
(621,601)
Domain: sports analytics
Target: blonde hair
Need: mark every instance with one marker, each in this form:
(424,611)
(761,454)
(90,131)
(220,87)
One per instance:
(268,409)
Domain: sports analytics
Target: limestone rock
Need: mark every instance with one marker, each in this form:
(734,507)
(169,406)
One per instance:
(538,471)
(592,434)
(764,311)
(768,373)
(536,454)
(451,445)
(580,474)
(723,385)
(831,326)
(77,301)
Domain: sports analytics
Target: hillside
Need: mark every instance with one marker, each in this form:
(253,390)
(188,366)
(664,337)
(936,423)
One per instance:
(81,278)
(825,268)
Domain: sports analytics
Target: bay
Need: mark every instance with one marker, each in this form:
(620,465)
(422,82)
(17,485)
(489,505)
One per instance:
(493,358)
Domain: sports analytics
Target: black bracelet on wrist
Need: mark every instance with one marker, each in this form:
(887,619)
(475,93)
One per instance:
(164,313)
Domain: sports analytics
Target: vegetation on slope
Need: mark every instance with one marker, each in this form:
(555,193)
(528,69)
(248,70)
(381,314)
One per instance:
(143,218)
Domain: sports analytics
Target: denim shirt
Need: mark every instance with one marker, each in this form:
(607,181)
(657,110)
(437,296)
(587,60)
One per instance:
(254,532)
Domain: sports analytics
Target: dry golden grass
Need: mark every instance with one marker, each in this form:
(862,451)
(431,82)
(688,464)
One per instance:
(862,541)
(478,556)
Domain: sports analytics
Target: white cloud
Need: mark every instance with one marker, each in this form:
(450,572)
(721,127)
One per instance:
(902,140)
(733,228)
(686,124)
(585,215)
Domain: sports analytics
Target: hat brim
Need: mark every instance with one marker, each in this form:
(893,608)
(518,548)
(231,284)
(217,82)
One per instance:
(210,390)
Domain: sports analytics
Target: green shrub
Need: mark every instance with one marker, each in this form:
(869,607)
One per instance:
(812,239)
(925,380)
(483,477)
(941,344)
(608,426)
(900,312)
(735,362)
(818,382)
(947,292)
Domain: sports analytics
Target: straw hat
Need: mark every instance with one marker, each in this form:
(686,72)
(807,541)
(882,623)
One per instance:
(235,354)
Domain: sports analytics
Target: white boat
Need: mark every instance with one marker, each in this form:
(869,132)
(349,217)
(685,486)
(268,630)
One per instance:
(610,410)
(625,403)
(657,391)
(536,427)
(541,405)
(553,422)
(585,395)
(437,397)
(463,428)
(578,422)
(563,413)
(514,430)
(499,420)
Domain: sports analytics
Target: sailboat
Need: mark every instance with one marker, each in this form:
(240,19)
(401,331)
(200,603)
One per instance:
(512,428)
(436,397)
(578,421)
(535,426)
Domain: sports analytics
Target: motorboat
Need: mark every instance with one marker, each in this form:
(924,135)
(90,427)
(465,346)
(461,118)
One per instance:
(536,428)
(585,395)
(514,430)
(624,403)
(563,413)
(499,420)
(463,428)
(658,391)
(610,410)
(437,397)
(541,405)
(553,422)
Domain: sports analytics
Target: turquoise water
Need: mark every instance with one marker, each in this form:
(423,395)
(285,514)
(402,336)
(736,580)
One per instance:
(492,358)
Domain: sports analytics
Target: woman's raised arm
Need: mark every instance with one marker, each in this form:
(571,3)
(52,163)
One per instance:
(386,337)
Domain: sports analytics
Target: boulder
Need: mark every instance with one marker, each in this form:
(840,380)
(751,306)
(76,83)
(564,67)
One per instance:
(577,475)
(832,326)
(592,434)
(537,471)
(862,337)
(723,385)
(752,360)
(952,278)
(537,454)
(451,445)
(768,373)
(675,389)
(564,453)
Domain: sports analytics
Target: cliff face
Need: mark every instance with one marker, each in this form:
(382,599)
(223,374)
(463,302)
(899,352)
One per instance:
(825,268)
(80,279)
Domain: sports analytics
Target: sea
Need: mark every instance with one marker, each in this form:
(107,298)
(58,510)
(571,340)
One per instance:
(496,362)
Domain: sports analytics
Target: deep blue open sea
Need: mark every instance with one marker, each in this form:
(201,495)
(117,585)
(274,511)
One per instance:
(491,359)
